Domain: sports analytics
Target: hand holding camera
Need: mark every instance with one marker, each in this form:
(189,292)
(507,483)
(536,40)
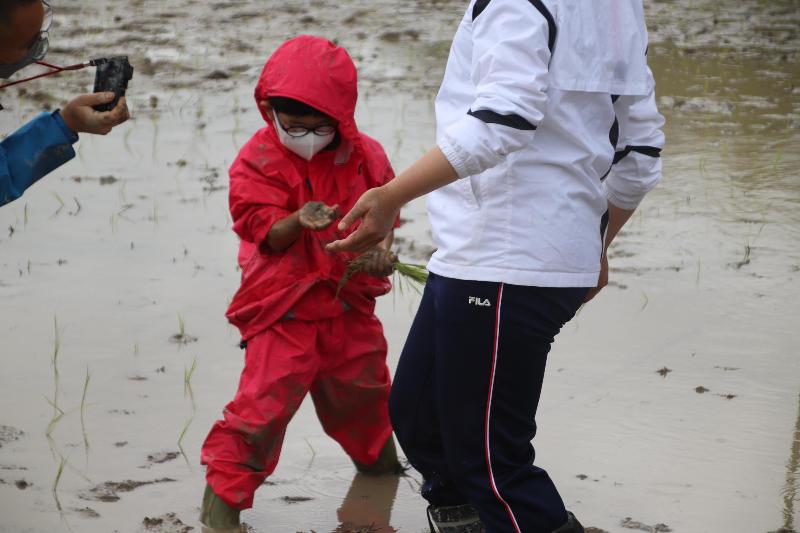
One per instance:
(100,112)
(80,114)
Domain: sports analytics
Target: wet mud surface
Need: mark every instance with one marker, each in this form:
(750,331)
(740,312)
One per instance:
(674,386)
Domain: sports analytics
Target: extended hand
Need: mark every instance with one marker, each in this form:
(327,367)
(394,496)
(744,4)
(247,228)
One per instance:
(377,212)
(316,216)
(79,116)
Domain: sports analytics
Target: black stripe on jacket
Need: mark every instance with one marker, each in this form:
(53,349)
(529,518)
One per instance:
(480,5)
(512,121)
(651,151)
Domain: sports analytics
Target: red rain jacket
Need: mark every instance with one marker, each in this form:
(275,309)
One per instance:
(269,182)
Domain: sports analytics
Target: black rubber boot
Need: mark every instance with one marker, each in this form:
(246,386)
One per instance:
(218,516)
(572,525)
(386,464)
(454,519)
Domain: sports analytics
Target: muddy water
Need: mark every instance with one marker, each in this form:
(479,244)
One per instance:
(127,253)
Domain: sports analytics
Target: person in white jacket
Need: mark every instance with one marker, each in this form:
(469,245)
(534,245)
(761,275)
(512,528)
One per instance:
(548,139)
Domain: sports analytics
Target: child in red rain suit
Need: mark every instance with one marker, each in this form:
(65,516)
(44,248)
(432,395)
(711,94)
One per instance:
(301,335)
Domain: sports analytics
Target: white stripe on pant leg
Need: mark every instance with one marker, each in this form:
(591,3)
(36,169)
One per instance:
(489,410)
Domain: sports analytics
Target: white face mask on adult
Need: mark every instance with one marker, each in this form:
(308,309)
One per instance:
(306,146)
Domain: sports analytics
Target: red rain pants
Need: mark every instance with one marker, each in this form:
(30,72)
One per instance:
(340,361)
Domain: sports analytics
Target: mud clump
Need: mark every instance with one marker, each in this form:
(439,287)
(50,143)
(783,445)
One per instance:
(22,484)
(109,491)
(9,434)
(86,512)
(162,457)
(217,75)
(168,523)
(182,338)
(397,36)
(629,523)
(296,499)
(318,213)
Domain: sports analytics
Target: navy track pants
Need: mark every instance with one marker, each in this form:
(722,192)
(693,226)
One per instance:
(464,398)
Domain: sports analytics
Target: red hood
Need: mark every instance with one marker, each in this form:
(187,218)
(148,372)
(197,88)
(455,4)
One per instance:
(318,73)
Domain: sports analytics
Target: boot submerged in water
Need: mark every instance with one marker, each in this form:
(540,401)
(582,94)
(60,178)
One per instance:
(454,519)
(386,464)
(465,519)
(218,516)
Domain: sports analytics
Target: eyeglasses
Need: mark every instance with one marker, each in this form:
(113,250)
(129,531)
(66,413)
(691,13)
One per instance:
(42,44)
(299,131)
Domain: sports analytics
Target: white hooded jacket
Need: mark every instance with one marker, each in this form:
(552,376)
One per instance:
(547,112)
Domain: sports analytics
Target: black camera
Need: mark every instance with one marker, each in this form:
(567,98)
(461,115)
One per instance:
(113,74)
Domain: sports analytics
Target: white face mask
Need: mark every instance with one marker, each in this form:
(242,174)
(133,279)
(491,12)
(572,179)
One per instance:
(306,146)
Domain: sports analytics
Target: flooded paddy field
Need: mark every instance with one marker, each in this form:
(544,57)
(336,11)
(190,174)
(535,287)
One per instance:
(677,391)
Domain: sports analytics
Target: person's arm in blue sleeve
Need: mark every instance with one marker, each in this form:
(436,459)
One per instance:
(33,151)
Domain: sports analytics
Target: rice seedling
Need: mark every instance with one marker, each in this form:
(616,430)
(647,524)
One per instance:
(180,439)
(126,141)
(154,118)
(54,362)
(187,380)
(188,372)
(78,208)
(790,491)
(59,471)
(25,215)
(409,275)
(416,273)
(82,410)
(182,337)
(58,414)
(646,301)
(310,447)
(123,199)
(60,205)
(776,161)
(746,259)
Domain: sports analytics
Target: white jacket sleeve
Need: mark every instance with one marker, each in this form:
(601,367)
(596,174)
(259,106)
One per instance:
(637,163)
(512,42)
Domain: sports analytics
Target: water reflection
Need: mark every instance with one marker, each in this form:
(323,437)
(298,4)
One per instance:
(368,505)
(792,467)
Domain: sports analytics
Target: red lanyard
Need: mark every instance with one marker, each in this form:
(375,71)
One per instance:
(55,70)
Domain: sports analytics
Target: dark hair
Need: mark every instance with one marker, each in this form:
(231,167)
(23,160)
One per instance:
(9,6)
(293,107)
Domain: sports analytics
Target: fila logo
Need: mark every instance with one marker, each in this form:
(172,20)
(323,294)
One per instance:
(474,300)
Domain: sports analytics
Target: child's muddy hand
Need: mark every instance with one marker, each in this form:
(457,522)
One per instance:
(380,263)
(316,216)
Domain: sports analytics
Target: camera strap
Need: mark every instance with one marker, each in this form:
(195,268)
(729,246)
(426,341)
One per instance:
(54,69)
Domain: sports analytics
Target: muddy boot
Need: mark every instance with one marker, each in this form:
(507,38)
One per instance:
(218,516)
(386,464)
(572,525)
(454,519)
